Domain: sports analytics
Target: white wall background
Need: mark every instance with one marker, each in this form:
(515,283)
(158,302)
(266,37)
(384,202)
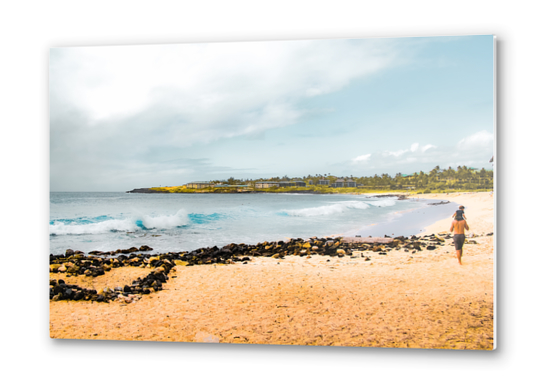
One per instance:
(28,29)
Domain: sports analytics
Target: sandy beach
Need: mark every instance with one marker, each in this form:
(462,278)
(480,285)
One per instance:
(404,300)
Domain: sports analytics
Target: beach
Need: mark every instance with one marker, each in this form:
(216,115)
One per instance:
(402,299)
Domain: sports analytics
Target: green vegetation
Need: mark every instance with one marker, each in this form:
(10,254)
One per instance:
(438,180)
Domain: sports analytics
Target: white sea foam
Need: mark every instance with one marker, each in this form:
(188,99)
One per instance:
(331,209)
(130,225)
(167,221)
(59,228)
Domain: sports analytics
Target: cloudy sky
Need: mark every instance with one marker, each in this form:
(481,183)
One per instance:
(124,117)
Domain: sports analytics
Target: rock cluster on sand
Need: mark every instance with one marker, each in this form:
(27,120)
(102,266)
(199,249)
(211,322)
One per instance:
(98,263)
(333,247)
(78,264)
(442,202)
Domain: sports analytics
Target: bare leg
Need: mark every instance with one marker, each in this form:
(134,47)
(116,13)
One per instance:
(459,254)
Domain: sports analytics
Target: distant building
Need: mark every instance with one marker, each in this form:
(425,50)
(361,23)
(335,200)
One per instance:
(350,183)
(199,184)
(266,184)
(300,183)
(310,182)
(339,183)
(323,181)
(286,184)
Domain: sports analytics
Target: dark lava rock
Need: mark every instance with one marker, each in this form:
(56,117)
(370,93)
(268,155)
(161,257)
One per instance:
(145,190)
(69,252)
(79,296)
(439,203)
(68,293)
(431,248)
(58,289)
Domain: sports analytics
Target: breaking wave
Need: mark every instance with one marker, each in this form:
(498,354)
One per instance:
(102,224)
(337,208)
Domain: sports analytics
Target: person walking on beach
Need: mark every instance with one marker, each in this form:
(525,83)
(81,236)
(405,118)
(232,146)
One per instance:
(458,227)
(460,213)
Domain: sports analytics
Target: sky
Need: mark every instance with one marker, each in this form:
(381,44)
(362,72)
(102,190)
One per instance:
(125,117)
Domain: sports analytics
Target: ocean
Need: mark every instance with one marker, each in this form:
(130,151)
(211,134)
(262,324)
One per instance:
(107,221)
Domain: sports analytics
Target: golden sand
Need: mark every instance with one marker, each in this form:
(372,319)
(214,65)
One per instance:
(420,300)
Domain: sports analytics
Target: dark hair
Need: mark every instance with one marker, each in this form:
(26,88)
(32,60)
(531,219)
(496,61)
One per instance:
(459,215)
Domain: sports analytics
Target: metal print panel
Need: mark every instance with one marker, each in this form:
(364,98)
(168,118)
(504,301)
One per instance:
(317,192)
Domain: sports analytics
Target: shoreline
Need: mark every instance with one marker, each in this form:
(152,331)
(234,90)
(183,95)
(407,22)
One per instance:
(394,224)
(414,299)
(336,191)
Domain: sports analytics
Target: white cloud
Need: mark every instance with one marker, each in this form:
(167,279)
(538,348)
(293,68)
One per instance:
(203,92)
(413,148)
(428,146)
(474,150)
(362,158)
(313,92)
(394,153)
(482,139)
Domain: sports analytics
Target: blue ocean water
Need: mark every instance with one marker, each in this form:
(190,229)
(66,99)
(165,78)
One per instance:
(106,221)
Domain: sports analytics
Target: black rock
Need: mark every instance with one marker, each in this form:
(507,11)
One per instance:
(68,293)
(79,296)
(58,289)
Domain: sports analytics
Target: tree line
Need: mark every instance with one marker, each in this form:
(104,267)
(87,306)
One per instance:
(463,178)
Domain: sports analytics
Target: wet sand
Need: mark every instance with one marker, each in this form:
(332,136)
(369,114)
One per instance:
(420,300)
